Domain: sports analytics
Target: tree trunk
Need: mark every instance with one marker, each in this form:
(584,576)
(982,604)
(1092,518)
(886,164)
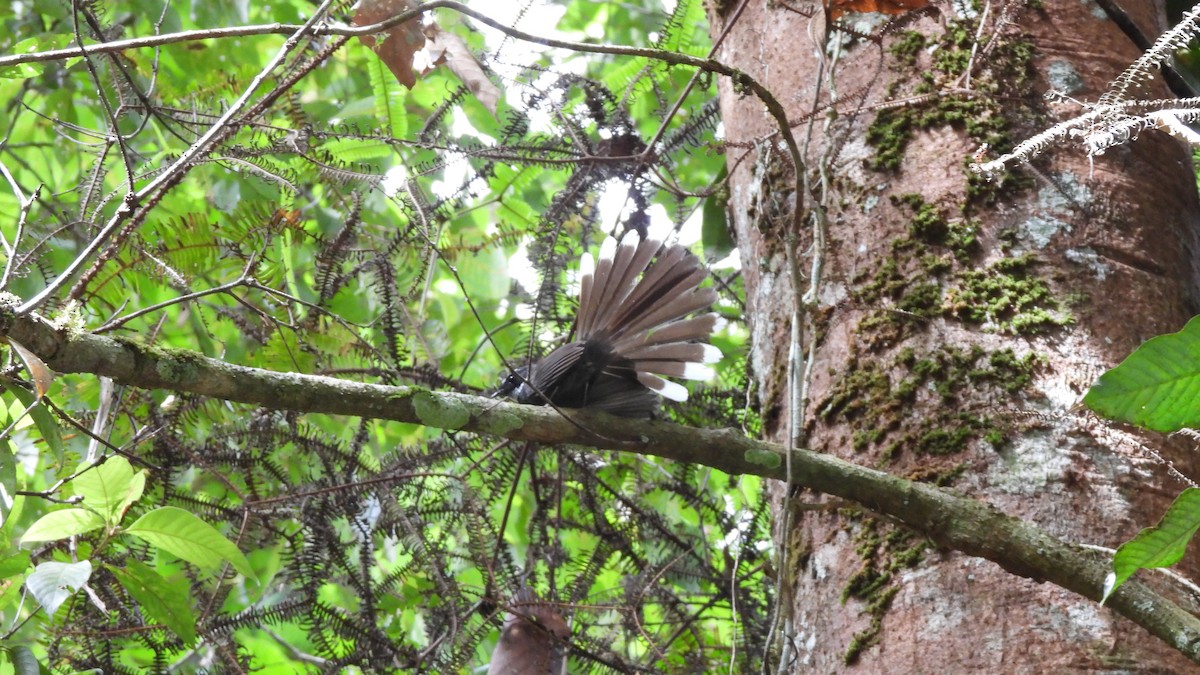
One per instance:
(956,320)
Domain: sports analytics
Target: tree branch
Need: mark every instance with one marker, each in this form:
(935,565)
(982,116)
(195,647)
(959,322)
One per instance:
(973,527)
(741,80)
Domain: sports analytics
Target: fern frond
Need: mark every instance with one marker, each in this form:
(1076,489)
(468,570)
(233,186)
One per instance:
(1163,49)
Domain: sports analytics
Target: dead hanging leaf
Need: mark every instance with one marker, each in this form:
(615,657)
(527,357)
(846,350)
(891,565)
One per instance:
(42,376)
(452,51)
(400,42)
(836,8)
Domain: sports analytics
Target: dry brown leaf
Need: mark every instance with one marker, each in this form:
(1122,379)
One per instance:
(42,376)
(452,51)
(531,640)
(836,8)
(400,42)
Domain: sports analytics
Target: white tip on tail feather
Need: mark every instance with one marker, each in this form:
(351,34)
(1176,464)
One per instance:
(711,354)
(695,371)
(608,250)
(612,275)
(665,388)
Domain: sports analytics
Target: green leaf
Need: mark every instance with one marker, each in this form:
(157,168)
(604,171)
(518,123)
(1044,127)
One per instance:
(14,569)
(356,150)
(24,70)
(44,420)
(1157,386)
(389,98)
(714,226)
(11,594)
(62,524)
(136,488)
(8,480)
(23,661)
(485,275)
(110,488)
(1159,546)
(11,566)
(187,537)
(53,582)
(165,601)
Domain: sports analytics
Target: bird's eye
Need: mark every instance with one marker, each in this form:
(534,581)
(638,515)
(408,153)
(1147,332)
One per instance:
(510,382)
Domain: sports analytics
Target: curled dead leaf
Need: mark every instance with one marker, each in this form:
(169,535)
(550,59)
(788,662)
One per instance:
(450,50)
(836,8)
(39,372)
(399,43)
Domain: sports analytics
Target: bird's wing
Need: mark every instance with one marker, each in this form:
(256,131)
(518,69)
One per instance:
(548,372)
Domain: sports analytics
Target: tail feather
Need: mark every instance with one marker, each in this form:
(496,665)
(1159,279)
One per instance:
(682,369)
(632,330)
(621,273)
(669,290)
(697,299)
(665,388)
(644,318)
(628,283)
(682,330)
(663,276)
(587,274)
(587,313)
(694,352)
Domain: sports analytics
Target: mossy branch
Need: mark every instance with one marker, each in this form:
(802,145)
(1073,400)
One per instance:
(973,527)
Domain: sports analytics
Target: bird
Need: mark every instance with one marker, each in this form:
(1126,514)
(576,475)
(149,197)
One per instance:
(532,641)
(636,325)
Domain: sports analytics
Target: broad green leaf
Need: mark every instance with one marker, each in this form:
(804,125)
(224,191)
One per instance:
(25,70)
(23,660)
(136,488)
(187,537)
(62,524)
(687,21)
(1159,546)
(1157,386)
(6,530)
(11,594)
(165,601)
(355,150)
(12,565)
(110,487)
(53,582)
(14,569)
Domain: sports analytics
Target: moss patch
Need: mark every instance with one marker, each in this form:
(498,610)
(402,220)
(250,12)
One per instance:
(885,551)
(440,411)
(907,47)
(929,226)
(874,399)
(1004,73)
(1007,297)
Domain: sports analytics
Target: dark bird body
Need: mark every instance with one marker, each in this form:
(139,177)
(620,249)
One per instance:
(631,329)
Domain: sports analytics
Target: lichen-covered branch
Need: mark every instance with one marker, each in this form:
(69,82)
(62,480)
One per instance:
(962,524)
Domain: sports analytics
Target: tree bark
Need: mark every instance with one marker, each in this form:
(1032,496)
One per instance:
(1077,261)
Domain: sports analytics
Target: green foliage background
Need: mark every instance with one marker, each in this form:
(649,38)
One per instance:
(374,546)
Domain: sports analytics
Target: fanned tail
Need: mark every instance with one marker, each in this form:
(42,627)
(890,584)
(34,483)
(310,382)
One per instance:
(638,307)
